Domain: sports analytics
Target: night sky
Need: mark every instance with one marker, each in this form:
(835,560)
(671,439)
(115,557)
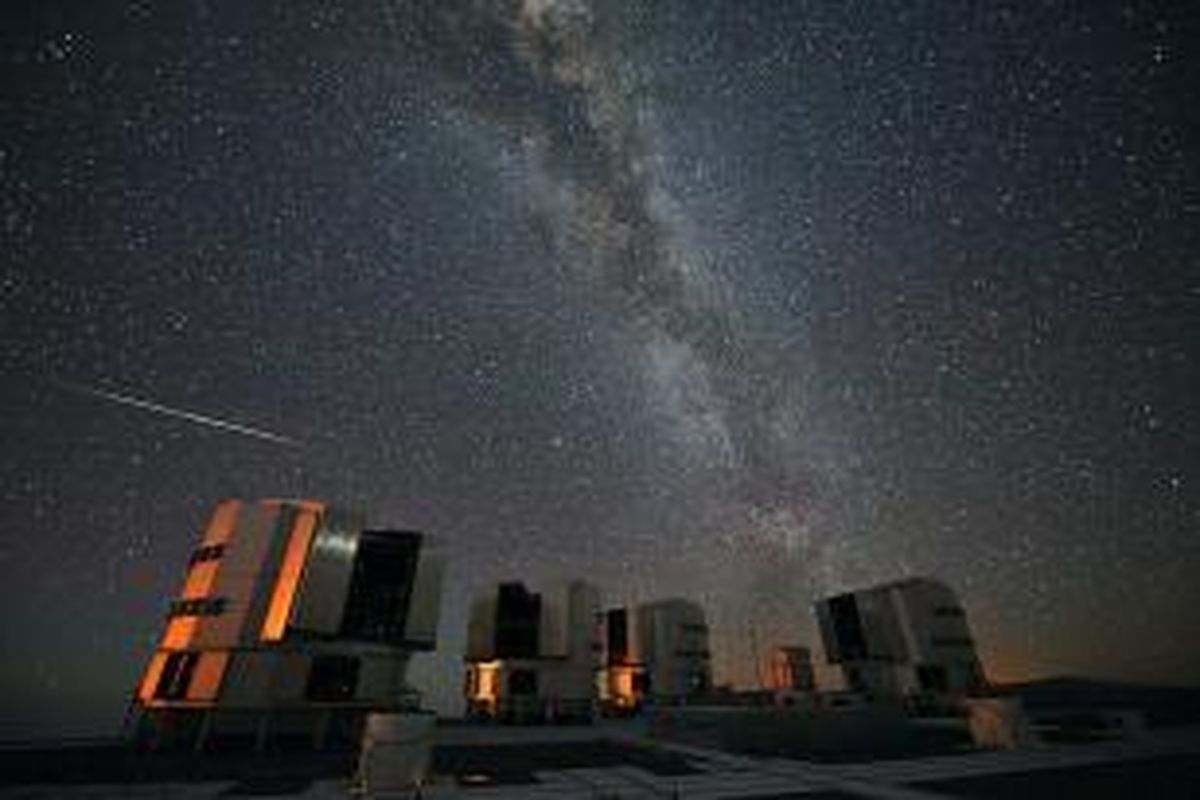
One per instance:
(744,301)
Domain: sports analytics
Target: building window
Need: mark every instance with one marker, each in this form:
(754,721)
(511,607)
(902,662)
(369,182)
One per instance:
(209,552)
(176,675)
(332,678)
(198,607)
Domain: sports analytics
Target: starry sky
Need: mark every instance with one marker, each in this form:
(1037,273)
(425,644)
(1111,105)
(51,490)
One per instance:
(747,302)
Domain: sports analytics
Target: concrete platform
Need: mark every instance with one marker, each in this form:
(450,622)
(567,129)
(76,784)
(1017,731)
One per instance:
(622,761)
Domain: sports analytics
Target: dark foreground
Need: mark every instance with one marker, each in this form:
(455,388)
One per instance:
(615,768)
(709,756)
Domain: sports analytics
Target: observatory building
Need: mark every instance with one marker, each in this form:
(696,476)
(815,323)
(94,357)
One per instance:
(295,621)
(655,651)
(792,670)
(533,656)
(905,638)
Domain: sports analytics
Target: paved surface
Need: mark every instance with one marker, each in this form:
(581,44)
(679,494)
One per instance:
(1167,764)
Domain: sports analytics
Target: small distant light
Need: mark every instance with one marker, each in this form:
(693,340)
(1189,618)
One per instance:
(475,779)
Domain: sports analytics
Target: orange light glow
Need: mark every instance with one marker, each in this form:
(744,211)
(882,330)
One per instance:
(206,681)
(200,580)
(224,519)
(284,594)
(1008,661)
(620,686)
(150,679)
(487,684)
(179,632)
(781,673)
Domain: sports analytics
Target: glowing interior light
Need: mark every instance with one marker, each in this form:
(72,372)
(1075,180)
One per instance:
(621,686)
(488,681)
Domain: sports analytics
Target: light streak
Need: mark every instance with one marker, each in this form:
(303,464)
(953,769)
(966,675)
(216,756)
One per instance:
(179,413)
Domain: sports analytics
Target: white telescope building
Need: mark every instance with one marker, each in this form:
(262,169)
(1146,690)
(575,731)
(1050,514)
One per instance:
(533,656)
(904,638)
(655,651)
(294,622)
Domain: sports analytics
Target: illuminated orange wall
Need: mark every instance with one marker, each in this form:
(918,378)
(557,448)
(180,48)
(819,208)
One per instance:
(206,680)
(179,633)
(200,580)
(290,571)
(201,577)
(224,519)
(150,679)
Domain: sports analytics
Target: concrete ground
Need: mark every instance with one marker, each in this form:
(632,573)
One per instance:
(618,760)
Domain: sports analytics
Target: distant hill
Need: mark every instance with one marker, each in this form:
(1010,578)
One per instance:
(1162,705)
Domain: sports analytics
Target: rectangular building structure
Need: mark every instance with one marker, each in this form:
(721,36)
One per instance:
(533,656)
(655,651)
(673,636)
(624,681)
(294,621)
(904,638)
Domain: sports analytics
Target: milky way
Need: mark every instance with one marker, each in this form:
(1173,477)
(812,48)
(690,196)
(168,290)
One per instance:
(549,76)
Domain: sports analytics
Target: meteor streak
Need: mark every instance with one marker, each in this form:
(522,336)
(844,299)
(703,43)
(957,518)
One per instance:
(179,413)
